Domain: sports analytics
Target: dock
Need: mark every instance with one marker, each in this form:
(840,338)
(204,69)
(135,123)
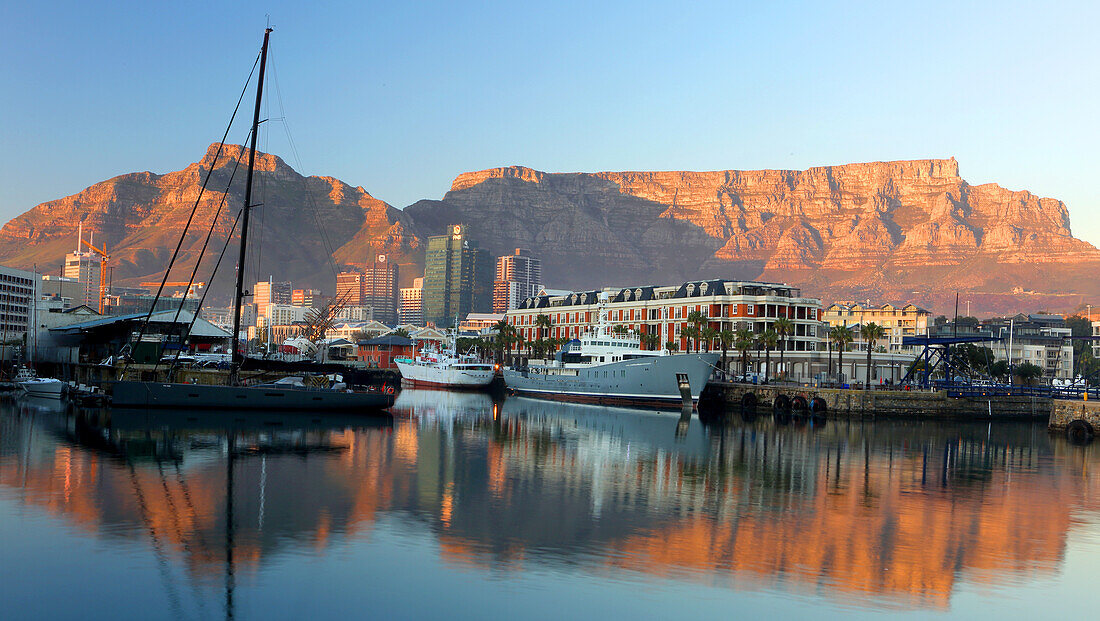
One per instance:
(878,402)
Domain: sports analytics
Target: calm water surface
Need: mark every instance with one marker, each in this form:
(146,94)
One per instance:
(462,508)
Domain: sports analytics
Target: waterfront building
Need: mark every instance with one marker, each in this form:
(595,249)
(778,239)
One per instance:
(411,310)
(481,323)
(664,310)
(457,278)
(309,298)
(899,321)
(269,292)
(18,292)
(518,277)
(380,351)
(140,300)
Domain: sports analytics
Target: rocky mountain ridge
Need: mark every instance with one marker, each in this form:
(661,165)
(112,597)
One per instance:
(911,230)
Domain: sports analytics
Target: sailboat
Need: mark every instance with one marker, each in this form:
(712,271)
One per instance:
(290,393)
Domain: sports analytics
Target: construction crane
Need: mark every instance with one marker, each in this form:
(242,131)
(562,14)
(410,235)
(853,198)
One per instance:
(191,286)
(102,270)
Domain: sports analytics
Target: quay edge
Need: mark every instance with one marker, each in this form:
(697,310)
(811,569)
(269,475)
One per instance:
(853,402)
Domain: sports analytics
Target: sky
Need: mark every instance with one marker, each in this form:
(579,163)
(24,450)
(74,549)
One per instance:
(400,97)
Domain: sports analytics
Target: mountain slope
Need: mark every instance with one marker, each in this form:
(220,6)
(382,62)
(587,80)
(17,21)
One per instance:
(907,230)
(140,217)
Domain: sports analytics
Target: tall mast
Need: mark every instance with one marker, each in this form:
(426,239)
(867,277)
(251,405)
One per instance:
(239,294)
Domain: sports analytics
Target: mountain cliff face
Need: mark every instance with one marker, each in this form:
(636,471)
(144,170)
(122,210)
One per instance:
(899,231)
(907,230)
(140,217)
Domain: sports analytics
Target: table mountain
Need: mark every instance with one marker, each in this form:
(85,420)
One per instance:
(907,230)
(897,231)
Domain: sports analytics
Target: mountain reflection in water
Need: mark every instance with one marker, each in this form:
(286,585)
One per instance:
(867,515)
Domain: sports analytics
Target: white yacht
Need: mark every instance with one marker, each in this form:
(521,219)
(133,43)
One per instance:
(36,386)
(444,368)
(608,367)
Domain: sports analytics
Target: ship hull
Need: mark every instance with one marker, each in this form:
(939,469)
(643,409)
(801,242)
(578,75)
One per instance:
(42,387)
(192,396)
(645,382)
(456,379)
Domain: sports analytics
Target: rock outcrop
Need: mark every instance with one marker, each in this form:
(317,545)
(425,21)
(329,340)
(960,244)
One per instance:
(301,224)
(907,230)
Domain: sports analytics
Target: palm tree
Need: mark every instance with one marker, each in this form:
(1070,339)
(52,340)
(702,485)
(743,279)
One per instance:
(871,332)
(691,333)
(671,346)
(783,327)
(619,329)
(400,332)
(726,338)
(543,321)
(697,320)
(840,335)
(649,341)
(768,339)
(708,334)
(745,340)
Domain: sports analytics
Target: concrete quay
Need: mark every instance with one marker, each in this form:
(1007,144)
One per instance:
(1079,418)
(844,403)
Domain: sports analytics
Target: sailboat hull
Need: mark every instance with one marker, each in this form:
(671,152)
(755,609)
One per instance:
(195,396)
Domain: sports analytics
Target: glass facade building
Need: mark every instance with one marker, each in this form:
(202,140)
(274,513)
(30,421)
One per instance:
(458,278)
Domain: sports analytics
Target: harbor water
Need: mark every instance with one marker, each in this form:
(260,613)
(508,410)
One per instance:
(462,507)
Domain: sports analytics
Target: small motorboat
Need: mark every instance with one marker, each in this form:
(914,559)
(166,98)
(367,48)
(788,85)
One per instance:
(36,386)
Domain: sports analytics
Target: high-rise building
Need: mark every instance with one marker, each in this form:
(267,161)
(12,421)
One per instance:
(458,278)
(411,311)
(270,292)
(84,267)
(380,290)
(374,288)
(308,298)
(349,287)
(518,277)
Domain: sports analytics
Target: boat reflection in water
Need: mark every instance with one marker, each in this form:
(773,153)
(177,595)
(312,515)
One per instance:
(459,489)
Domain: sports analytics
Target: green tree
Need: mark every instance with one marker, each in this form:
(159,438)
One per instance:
(726,339)
(671,346)
(649,341)
(691,333)
(784,328)
(841,336)
(1027,373)
(871,333)
(999,370)
(769,339)
(708,334)
(744,342)
(543,322)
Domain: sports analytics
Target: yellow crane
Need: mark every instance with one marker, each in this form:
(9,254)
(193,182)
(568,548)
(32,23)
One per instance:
(102,270)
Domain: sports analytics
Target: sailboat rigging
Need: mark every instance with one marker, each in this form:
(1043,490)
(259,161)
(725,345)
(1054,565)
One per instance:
(289,393)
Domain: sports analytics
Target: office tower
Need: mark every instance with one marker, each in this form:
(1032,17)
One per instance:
(411,311)
(518,277)
(457,278)
(270,292)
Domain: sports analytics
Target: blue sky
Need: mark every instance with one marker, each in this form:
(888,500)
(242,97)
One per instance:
(401,97)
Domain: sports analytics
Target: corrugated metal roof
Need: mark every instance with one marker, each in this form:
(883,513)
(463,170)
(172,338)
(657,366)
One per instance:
(202,327)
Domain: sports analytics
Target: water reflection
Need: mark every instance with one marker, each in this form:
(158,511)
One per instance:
(880,514)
